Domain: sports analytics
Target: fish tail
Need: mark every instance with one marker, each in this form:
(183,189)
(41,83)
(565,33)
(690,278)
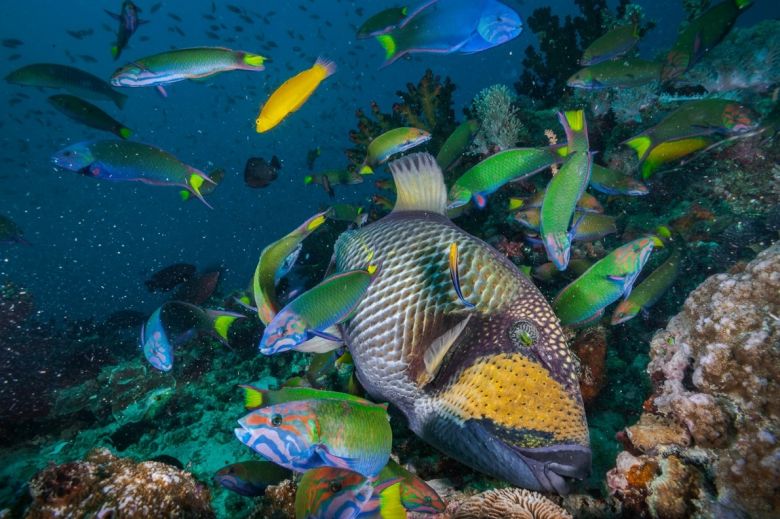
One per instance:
(115,51)
(222,324)
(119,99)
(327,66)
(253,61)
(193,186)
(366,170)
(742,4)
(648,167)
(391,48)
(641,144)
(390,506)
(308,179)
(125,133)
(253,397)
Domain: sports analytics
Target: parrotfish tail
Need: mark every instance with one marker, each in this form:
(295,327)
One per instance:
(391,51)
(366,170)
(642,144)
(576,129)
(308,179)
(125,133)
(196,193)
(455,275)
(222,324)
(185,195)
(253,397)
(327,65)
(648,168)
(251,61)
(558,248)
(202,175)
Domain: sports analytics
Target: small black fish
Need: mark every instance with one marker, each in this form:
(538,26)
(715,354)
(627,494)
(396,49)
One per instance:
(233,8)
(175,17)
(258,173)
(155,7)
(12,43)
(170,277)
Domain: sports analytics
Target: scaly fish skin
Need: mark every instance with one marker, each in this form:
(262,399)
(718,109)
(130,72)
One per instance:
(504,405)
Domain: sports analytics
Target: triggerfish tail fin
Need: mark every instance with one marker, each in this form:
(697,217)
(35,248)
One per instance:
(254,398)
(390,506)
(641,144)
(455,275)
(125,133)
(419,183)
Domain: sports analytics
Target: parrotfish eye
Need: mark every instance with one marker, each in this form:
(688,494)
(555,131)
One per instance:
(524,334)
(276,420)
(334,486)
(428,500)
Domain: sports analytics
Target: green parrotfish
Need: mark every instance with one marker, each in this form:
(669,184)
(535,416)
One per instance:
(74,80)
(650,290)
(177,65)
(456,144)
(611,182)
(397,140)
(620,73)
(583,300)
(613,44)
(382,22)
(88,114)
(497,170)
(494,385)
(701,35)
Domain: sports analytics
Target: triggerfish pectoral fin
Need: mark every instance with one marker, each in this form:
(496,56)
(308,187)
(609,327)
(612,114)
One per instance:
(455,275)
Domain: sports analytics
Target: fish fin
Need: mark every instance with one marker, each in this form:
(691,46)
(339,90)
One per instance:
(115,51)
(419,183)
(575,119)
(576,128)
(223,321)
(455,275)
(434,355)
(308,179)
(388,43)
(515,203)
(329,67)
(240,302)
(365,170)
(275,162)
(318,344)
(480,200)
(253,396)
(649,167)
(390,506)
(185,195)
(112,15)
(254,60)
(642,144)
(161,90)
(125,133)
(196,192)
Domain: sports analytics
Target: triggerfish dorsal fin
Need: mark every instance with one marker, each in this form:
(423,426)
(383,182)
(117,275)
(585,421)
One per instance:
(420,184)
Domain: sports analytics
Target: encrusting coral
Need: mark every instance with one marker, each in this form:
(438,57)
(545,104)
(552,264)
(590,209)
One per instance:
(707,444)
(103,485)
(510,503)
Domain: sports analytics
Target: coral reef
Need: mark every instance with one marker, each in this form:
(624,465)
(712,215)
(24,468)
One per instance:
(708,442)
(278,502)
(500,126)
(590,346)
(747,60)
(103,485)
(509,503)
(426,105)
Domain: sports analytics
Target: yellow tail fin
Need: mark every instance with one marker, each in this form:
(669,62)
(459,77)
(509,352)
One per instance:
(253,397)
(222,325)
(390,506)
(254,60)
(576,119)
(366,170)
(641,145)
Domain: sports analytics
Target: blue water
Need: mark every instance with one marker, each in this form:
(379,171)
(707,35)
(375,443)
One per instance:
(94,242)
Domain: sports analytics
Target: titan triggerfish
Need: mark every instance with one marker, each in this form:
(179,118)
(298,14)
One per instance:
(494,385)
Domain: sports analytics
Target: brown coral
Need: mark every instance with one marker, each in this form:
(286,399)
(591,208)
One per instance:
(590,346)
(714,422)
(278,502)
(510,503)
(103,485)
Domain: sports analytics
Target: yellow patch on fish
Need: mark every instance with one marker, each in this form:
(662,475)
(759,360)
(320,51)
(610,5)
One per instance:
(292,94)
(518,394)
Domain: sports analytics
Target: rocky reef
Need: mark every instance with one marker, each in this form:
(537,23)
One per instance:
(103,485)
(708,444)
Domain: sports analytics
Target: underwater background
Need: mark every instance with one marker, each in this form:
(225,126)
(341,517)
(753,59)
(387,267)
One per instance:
(680,400)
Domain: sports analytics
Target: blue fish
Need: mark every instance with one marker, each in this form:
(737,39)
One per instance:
(452,26)
(176,323)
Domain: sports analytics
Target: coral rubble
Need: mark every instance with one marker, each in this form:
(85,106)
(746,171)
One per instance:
(103,485)
(707,444)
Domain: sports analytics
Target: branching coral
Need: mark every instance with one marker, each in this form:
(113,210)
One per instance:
(510,503)
(500,126)
(426,105)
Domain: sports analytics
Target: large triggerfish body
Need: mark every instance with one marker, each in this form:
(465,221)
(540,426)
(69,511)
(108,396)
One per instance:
(451,26)
(491,383)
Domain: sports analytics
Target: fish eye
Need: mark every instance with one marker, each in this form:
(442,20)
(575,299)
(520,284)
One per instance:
(335,486)
(276,420)
(524,334)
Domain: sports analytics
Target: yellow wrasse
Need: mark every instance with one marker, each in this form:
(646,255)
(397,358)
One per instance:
(292,94)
